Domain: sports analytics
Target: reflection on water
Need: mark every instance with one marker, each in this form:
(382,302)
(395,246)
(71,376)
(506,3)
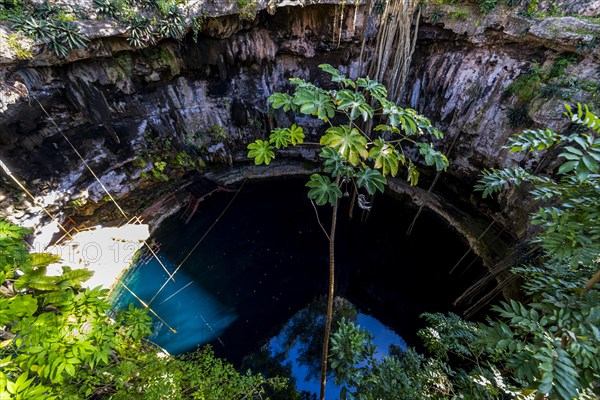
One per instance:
(267,258)
(298,346)
(189,309)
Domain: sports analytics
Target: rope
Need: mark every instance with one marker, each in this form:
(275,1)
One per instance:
(25,92)
(35,200)
(147,306)
(437,176)
(199,241)
(471,247)
(101,184)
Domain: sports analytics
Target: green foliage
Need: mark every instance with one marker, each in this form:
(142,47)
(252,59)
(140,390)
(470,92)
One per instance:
(346,150)
(571,223)
(109,8)
(449,335)
(61,342)
(322,190)
(148,21)
(519,116)
(402,375)
(51,25)
(261,151)
(349,153)
(545,348)
(554,342)
(21,50)
(486,6)
(348,141)
(247,9)
(549,81)
(161,159)
(172,25)
(141,32)
(371,179)
(283,137)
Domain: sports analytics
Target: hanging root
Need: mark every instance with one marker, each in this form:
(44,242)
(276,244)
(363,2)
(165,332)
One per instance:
(395,46)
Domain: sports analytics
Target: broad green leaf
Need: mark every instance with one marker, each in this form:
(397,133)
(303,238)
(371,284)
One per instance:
(336,76)
(334,163)
(432,156)
(280,137)
(37,279)
(279,100)
(313,101)
(323,190)
(296,134)
(376,89)
(386,157)
(355,103)
(261,151)
(42,260)
(371,179)
(75,277)
(349,142)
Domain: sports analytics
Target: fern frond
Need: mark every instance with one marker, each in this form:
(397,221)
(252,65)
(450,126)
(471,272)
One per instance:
(534,140)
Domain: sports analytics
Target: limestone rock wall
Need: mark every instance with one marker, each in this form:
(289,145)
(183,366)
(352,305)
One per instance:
(113,101)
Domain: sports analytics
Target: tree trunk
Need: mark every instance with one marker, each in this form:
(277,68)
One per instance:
(329,302)
(592,282)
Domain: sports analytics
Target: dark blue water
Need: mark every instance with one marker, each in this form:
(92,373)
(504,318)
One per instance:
(267,258)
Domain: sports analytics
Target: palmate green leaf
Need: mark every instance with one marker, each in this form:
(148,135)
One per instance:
(323,190)
(400,117)
(334,163)
(261,151)
(376,89)
(280,137)
(432,156)
(314,101)
(296,134)
(386,157)
(349,142)
(371,179)
(355,103)
(337,77)
(281,100)
(283,137)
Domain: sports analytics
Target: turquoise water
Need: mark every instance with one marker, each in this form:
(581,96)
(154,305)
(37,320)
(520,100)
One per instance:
(266,258)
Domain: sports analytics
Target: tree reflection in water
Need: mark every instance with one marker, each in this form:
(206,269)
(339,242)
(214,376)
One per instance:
(301,341)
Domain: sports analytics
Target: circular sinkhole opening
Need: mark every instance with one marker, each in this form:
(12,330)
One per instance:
(247,262)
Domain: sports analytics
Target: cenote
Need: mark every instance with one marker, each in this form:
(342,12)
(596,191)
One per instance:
(266,258)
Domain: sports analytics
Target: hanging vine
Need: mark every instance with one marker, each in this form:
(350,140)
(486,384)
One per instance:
(395,44)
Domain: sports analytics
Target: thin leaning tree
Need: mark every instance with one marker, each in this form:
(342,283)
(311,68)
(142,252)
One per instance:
(350,154)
